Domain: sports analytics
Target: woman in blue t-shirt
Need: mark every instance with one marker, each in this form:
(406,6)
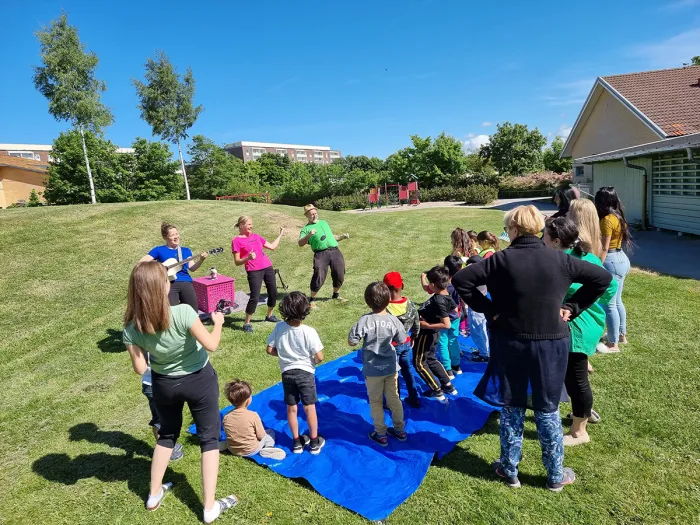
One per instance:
(181,289)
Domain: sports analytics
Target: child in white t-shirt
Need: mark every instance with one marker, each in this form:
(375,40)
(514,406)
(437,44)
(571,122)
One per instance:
(299,349)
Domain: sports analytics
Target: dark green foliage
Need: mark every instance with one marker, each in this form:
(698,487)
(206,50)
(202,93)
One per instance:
(514,149)
(34,199)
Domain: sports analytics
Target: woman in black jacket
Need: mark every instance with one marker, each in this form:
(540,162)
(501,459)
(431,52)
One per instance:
(529,336)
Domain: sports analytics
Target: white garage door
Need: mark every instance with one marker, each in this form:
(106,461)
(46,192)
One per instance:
(675,202)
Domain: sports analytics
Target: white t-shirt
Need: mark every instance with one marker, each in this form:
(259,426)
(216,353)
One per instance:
(296,346)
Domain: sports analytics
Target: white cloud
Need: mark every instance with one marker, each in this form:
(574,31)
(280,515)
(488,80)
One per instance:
(474,142)
(486,124)
(673,51)
(564,131)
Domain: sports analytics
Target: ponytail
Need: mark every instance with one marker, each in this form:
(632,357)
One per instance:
(490,238)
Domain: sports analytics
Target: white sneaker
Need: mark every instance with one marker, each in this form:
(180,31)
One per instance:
(602,348)
(220,506)
(153,502)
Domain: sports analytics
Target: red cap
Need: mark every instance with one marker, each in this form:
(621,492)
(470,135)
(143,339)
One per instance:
(393,280)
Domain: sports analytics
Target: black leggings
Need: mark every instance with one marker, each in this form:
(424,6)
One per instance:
(577,385)
(200,390)
(255,280)
(182,292)
(425,362)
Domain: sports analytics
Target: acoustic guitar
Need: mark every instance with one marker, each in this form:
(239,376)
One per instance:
(173,265)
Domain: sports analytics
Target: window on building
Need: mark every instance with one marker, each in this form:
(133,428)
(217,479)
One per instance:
(257,152)
(579,171)
(301,155)
(281,151)
(335,154)
(24,155)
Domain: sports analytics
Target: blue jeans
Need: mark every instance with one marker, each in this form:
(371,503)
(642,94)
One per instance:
(549,432)
(618,265)
(448,350)
(479,332)
(404,354)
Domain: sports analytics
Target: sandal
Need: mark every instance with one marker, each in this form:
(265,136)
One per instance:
(153,503)
(220,506)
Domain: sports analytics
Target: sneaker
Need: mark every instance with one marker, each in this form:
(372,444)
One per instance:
(177,452)
(623,339)
(300,443)
(220,506)
(568,479)
(457,371)
(603,348)
(340,299)
(272,319)
(273,453)
(248,328)
(451,390)
(401,436)
(595,417)
(316,445)
(450,374)
(512,482)
(413,402)
(153,502)
(382,441)
(434,394)
(480,359)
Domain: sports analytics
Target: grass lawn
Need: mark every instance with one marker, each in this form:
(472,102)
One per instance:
(74,441)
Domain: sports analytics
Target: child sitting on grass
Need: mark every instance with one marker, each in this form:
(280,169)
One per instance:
(245,434)
(405,311)
(434,316)
(378,330)
(299,349)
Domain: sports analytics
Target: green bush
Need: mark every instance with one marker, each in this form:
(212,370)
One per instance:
(540,184)
(343,202)
(473,194)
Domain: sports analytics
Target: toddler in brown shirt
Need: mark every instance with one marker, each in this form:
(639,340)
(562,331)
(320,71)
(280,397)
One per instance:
(245,434)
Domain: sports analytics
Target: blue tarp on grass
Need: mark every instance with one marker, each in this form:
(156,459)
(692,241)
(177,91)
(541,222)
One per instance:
(353,471)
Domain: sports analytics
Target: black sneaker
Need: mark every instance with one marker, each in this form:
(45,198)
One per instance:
(272,319)
(382,441)
(413,402)
(300,443)
(568,479)
(248,328)
(451,390)
(479,359)
(401,436)
(513,483)
(434,394)
(177,452)
(316,445)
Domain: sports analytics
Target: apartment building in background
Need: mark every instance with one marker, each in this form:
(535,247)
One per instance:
(38,152)
(247,151)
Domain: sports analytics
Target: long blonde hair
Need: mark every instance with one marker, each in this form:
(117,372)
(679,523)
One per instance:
(147,303)
(584,214)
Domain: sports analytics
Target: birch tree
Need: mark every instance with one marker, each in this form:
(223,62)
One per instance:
(166,103)
(67,79)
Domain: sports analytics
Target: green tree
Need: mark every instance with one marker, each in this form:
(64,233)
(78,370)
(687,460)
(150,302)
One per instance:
(150,173)
(475,164)
(695,61)
(166,103)
(433,162)
(34,199)
(67,79)
(273,168)
(551,158)
(514,149)
(67,182)
(213,172)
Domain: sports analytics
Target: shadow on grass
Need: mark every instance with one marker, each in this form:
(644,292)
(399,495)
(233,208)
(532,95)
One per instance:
(112,343)
(132,468)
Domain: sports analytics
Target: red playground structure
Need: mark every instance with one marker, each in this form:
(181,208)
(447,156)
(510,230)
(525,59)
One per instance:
(406,194)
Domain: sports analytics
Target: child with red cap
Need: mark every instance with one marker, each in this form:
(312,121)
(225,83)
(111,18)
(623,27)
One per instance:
(406,312)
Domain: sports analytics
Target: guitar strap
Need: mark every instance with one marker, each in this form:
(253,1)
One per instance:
(179,253)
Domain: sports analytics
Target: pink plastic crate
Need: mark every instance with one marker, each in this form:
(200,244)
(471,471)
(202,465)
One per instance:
(211,291)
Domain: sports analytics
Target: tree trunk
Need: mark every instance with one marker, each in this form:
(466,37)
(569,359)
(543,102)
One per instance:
(87,163)
(182,166)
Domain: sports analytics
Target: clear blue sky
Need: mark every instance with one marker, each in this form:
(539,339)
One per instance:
(359,76)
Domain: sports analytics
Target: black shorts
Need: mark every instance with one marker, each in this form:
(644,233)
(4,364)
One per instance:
(299,385)
(148,392)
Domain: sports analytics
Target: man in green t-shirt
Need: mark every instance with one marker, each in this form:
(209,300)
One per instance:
(324,244)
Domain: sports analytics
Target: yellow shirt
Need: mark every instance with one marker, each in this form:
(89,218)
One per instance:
(610,227)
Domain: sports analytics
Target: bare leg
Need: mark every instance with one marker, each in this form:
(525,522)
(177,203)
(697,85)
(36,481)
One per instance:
(210,473)
(270,310)
(248,317)
(336,290)
(313,294)
(312,420)
(293,421)
(159,463)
